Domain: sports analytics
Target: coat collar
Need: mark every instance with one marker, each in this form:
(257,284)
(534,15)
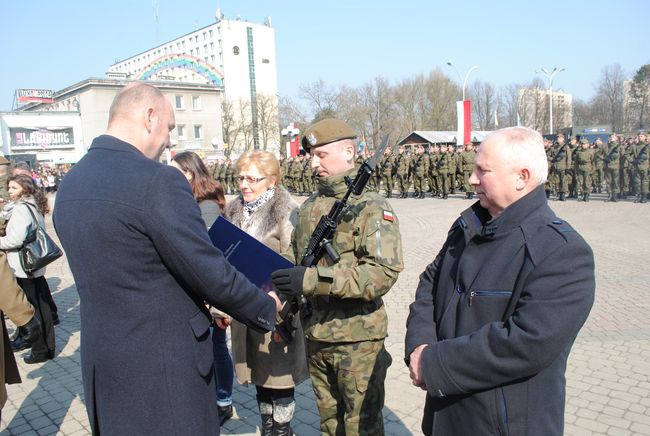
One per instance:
(476,221)
(112,143)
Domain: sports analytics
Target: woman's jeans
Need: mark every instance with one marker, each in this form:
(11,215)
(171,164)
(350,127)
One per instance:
(223,370)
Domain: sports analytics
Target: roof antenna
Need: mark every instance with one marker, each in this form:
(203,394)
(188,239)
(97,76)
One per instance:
(156,8)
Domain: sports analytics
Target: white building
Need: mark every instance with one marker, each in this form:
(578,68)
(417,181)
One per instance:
(234,54)
(51,138)
(87,103)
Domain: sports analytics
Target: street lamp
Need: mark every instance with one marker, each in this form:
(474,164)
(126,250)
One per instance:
(466,75)
(550,77)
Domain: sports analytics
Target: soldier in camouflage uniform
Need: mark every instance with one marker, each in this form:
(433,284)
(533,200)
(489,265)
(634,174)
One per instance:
(584,169)
(612,167)
(467,166)
(307,172)
(420,165)
(434,174)
(345,333)
(402,163)
(230,177)
(561,163)
(626,165)
(641,152)
(599,165)
(571,173)
(386,170)
(443,169)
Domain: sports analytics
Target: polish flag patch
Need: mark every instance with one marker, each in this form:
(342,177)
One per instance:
(389,216)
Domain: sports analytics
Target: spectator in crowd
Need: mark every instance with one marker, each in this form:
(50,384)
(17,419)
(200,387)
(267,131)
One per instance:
(266,211)
(28,203)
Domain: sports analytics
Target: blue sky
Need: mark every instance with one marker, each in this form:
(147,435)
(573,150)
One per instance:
(52,44)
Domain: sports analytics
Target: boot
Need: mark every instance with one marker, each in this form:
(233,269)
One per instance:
(421,196)
(637,199)
(266,412)
(585,198)
(562,197)
(644,198)
(282,415)
(581,197)
(389,194)
(471,195)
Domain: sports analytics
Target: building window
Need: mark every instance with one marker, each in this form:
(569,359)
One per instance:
(198,132)
(196,102)
(266,61)
(180,103)
(181,131)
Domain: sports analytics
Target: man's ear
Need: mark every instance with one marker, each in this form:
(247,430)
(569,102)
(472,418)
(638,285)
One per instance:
(148,118)
(523,178)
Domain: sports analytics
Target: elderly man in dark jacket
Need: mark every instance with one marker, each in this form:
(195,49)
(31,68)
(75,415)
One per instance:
(144,268)
(496,313)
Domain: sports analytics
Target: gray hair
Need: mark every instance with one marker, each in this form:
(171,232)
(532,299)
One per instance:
(525,148)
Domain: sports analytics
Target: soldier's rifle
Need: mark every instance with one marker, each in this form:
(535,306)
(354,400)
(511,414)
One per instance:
(320,242)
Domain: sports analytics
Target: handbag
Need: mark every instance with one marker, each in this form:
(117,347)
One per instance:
(39,249)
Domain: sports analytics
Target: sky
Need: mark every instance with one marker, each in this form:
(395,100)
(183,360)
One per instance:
(52,44)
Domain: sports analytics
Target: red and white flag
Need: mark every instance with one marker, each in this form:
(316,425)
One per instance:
(464,133)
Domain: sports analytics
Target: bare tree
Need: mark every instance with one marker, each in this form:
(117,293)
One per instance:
(409,101)
(640,95)
(610,92)
(320,98)
(228,124)
(439,109)
(267,119)
(244,140)
(485,101)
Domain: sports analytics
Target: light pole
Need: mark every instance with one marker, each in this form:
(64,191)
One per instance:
(550,77)
(466,75)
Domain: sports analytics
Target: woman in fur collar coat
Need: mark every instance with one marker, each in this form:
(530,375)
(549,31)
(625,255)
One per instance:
(267,212)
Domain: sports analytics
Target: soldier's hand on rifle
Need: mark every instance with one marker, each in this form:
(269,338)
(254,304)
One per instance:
(289,282)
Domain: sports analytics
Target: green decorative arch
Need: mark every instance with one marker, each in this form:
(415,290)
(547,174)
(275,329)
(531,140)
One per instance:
(195,64)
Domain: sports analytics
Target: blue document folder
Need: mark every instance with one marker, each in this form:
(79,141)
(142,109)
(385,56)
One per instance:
(248,255)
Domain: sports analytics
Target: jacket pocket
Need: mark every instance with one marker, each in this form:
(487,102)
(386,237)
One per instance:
(477,294)
(200,325)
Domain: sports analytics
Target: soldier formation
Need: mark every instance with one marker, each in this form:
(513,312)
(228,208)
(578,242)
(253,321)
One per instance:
(580,168)
(575,170)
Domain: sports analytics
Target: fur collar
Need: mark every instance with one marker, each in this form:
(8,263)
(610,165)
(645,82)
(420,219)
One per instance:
(267,218)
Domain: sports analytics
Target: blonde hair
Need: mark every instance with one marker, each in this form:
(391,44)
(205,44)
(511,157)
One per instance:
(265,161)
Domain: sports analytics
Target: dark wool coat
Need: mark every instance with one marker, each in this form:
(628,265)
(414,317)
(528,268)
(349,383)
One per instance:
(500,307)
(144,266)
(257,357)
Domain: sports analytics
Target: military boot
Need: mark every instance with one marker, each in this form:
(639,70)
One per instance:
(562,197)
(471,195)
(586,198)
(644,198)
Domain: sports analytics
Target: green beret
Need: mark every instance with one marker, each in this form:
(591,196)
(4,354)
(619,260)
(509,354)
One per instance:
(584,141)
(4,161)
(326,131)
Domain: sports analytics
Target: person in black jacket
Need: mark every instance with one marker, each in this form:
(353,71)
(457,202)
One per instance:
(144,265)
(496,313)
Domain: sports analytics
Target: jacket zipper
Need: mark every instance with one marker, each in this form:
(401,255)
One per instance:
(480,293)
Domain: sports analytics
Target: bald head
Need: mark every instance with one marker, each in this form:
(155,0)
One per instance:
(132,98)
(143,117)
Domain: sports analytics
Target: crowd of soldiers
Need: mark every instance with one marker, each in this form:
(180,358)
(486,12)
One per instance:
(577,168)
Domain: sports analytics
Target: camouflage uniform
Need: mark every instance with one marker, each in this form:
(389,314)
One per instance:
(626,164)
(434,174)
(386,169)
(420,165)
(561,164)
(584,168)
(443,169)
(402,169)
(345,334)
(612,169)
(641,165)
(467,165)
(599,166)
(230,178)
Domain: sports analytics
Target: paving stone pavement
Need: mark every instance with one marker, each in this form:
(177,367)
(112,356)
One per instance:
(608,375)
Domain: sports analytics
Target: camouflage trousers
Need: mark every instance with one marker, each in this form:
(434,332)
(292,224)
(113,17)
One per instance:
(641,181)
(612,181)
(583,182)
(388,183)
(403,183)
(466,185)
(348,380)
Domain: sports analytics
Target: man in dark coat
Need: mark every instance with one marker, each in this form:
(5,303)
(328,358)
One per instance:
(144,268)
(496,313)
